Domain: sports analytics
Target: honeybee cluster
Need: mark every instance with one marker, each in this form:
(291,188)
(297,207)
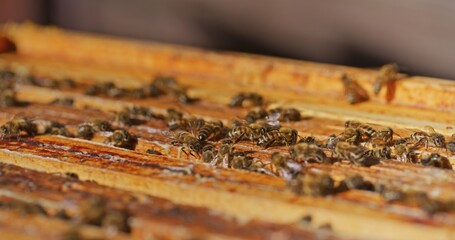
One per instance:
(214,143)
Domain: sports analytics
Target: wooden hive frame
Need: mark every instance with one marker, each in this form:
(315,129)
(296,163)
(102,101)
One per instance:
(314,89)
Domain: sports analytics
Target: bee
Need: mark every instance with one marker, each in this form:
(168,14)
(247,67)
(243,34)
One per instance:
(283,166)
(192,124)
(355,154)
(168,85)
(85,131)
(313,184)
(383,136)
(8,98)
(182,96)
(67,83)
(121,138)
(287,114)
(45,126)
(354,93)
(281,136)
(384,152)
(137,93)
(428,136)
(365,129)
(387,74)
(405,153)
(99,88)
(116,219)
(100,125)
(308,152)
(354,182)
(351,136)
(188,141)
(241,132)
(116,92)
(209,154)
(211,129)
(240,160)
(451,144)
(61,131)
(143,112)
(152,91)
(16,126)
(246,99)
(254,115)
(92,210)
(435,160)
(173,117)
(225,153)
(122,118)
(63,101)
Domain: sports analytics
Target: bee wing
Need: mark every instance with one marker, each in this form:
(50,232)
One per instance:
(273,119)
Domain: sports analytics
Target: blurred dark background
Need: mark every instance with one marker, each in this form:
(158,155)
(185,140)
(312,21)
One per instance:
(419,35)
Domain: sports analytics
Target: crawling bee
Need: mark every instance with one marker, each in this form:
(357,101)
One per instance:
(116,92)
(308,152)
(209,154)
(121,138)
(355,154)
(143,112)
(241,132)
(383,136)
(256,114)
(313,184)
(225,153)
(287,114)
(16,126)
(122,118)
(99,88)
(66,83)
(354,182)
(283,166)
(45,126)
(351,136)
(169,85)
(8,97)
(384,152)
(191,124)
(100,125)
(435,160)
(451,144)
(354,93)
(61,131)
(211,129)
(365,129)
(387,74)
(246,99)
(428,136)
(188,141)
(281,136)
(240,160)
(63,101)
(85,131)
(405,153)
